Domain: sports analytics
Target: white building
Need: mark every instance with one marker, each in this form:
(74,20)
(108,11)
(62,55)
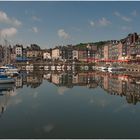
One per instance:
(75,54)
(19,51)
(46,55)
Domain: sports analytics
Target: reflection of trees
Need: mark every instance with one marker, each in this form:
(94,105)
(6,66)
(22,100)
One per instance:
(34,85)
(132,97)
(92,85)
(66,80)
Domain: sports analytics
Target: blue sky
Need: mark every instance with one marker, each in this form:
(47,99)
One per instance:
(59,23)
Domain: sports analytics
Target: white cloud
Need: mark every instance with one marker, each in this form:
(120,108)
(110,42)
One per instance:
(48,128)
(124,18)
(76,29)
(9,32)
(127,19)
(35,18)
(35,29)
(117,14)
(14,101)
(92,23)
(63,34)
(126,28)
(26,12)
(134,13)
(14,93)
(122,107)
(99,102)
(16,22)
(104,22)
(35,95)
(5,19)
(62,90)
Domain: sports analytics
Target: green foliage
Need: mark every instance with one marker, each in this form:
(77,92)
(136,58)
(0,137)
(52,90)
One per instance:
(81,45)
(98,44)
(35,47)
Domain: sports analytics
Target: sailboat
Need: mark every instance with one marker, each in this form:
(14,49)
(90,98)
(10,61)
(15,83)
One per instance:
(8,69)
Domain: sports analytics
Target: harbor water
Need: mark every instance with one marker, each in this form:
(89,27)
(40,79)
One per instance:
(70,105)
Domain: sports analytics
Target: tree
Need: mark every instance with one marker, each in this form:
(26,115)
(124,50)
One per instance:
(35,47)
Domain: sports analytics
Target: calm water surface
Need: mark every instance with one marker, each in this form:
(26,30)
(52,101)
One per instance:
(65,105)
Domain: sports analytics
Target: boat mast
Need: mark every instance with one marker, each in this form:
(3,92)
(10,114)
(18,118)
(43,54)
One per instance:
(6,51)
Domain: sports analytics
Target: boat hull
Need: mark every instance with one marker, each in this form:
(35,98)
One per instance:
(6,81)
(6,87)
(112,69)
(9,70)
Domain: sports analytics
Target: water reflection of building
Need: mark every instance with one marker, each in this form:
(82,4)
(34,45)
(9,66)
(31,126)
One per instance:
(55,78)
(133,91)
(19,82)
(106,85)
(64,79)
(70,79)
(121,85)
(87,79)
(124,86)
(47,76)
(114,84)
(34,80)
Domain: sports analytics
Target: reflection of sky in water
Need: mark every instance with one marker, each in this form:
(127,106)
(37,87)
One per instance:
(49,111)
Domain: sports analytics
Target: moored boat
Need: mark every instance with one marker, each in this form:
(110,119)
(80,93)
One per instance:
(7,86)
(2,71)
(114,69)
(9,70)
(103,68)
(6,80)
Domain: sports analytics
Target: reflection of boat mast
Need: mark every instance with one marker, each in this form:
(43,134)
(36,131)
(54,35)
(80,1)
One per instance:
(6,51)
(4,103)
